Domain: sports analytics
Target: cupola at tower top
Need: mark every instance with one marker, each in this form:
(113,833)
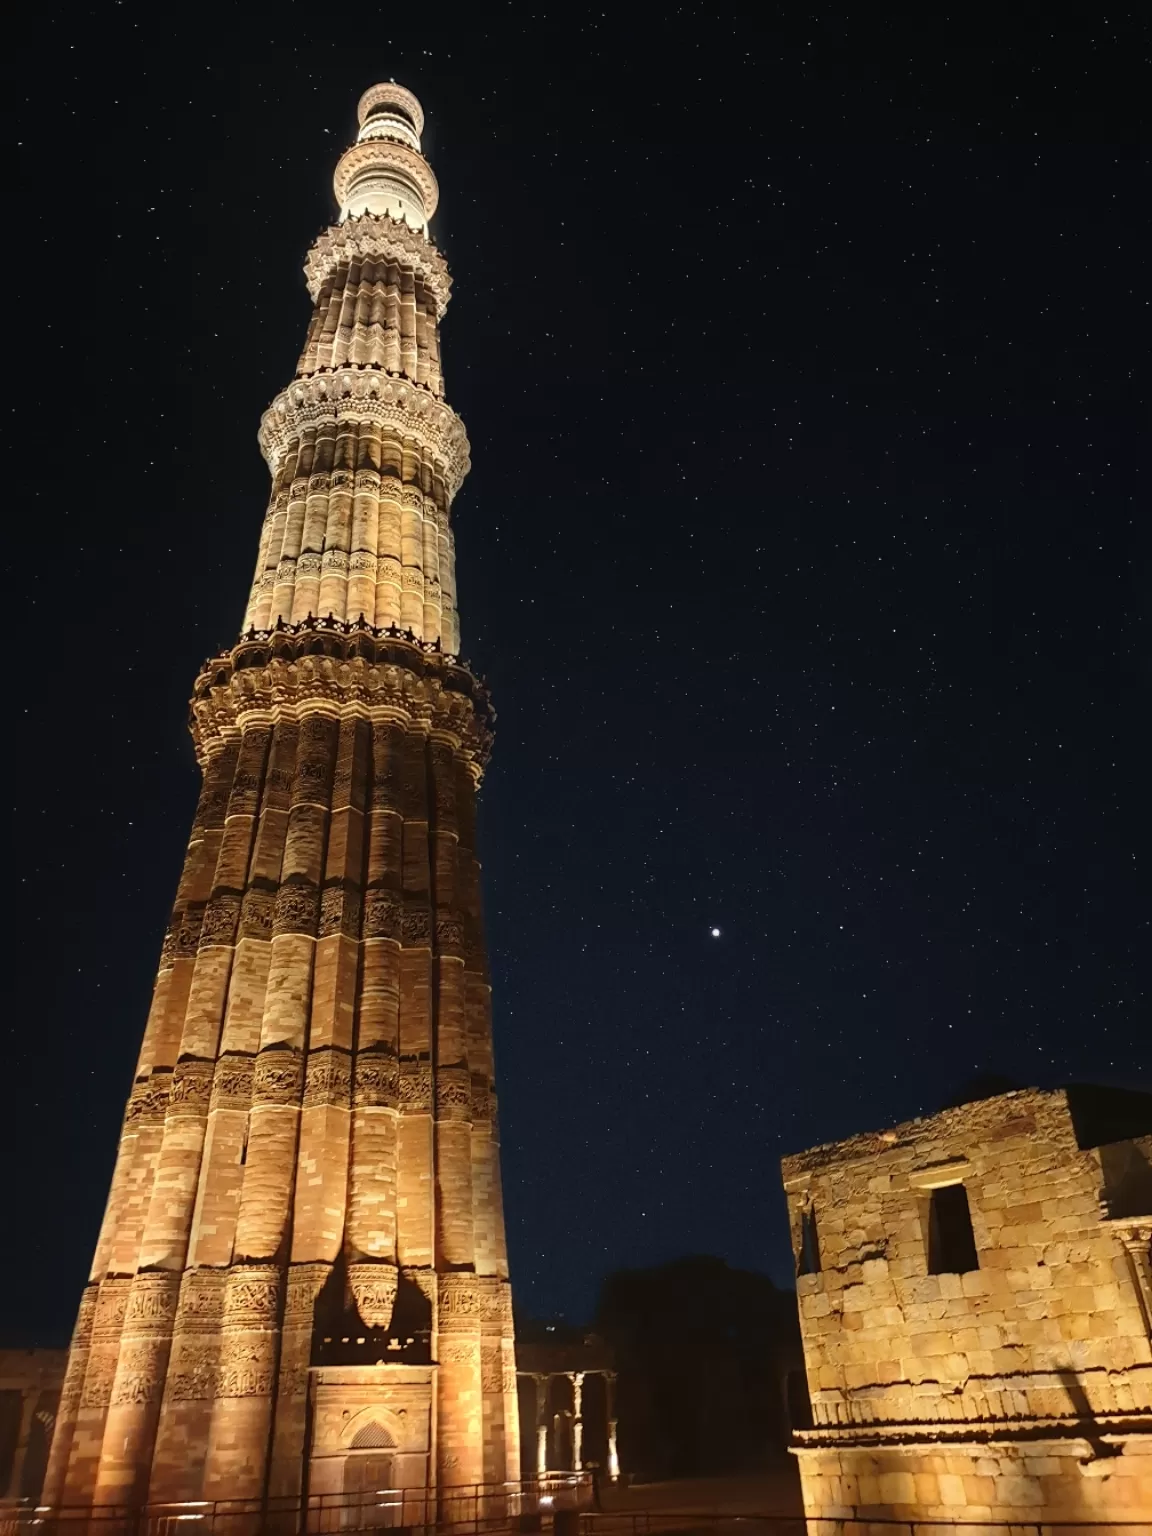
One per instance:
(389,105)
(384,172)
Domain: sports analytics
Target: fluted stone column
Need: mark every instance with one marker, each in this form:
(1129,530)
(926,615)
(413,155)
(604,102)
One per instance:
(189,1392)
(236,1461)
(305,1282)
(459,1406)
(313,1112)
(70,1394)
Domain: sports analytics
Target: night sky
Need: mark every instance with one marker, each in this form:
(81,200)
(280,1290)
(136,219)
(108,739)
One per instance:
(803,552)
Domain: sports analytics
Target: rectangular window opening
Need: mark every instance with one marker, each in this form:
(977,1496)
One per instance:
(809,1257)
(951,1241)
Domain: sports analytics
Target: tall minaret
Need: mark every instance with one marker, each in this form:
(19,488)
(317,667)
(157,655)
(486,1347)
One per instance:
(301,1281)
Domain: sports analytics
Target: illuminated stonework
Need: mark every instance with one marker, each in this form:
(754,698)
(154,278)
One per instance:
(976,1308)
(302,1265)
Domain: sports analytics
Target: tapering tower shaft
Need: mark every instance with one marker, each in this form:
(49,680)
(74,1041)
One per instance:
(301,1279)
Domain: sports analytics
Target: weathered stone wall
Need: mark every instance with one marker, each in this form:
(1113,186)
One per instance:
(30,1383)
(1023,1383)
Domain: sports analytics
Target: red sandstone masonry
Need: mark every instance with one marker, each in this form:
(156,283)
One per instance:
(314,1099)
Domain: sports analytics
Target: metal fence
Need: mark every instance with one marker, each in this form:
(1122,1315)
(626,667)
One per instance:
(560,1505)
(470,1509)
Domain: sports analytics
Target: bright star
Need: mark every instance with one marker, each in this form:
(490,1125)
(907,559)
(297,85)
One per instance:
(715,933)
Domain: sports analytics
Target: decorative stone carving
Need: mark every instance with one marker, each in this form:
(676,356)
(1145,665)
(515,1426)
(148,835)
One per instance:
(481,1099)
(245,1367)
(98,1379)
(453,1093)
(280,672)
(148,1100)
(416,926)
(297,909)
(461,1303)
(221,917)
(374,1286)
(459,1352)
(278,1077)
(388,93)
(377,1079)
(339,911)
(169,945)
(328,1077)
(374,153)
(191,1085)
(85,1317)
(367,395)
(139,1372)
(495,1304)
(192,1368)
(449,935)
(201,1297)
(187,936)
(232,1082)
(252,1296)
(491,1368)
(415,1086)
(382,913)
(256,914)
(151,1303)
(305,1282)
(78,1353)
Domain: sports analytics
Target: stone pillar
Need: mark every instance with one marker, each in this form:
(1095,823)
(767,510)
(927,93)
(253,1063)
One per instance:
(610,1412)
(541,1385)
(1136,1237)
(577,1379)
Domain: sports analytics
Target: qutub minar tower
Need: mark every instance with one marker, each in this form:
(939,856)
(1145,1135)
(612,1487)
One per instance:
(301,1281)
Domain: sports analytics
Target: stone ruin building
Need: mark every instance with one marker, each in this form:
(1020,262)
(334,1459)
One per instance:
(976,1308)
(30,1382)
(567,1379)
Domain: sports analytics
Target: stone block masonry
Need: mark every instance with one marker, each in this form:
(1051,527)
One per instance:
(975,1302)
(301,1280)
